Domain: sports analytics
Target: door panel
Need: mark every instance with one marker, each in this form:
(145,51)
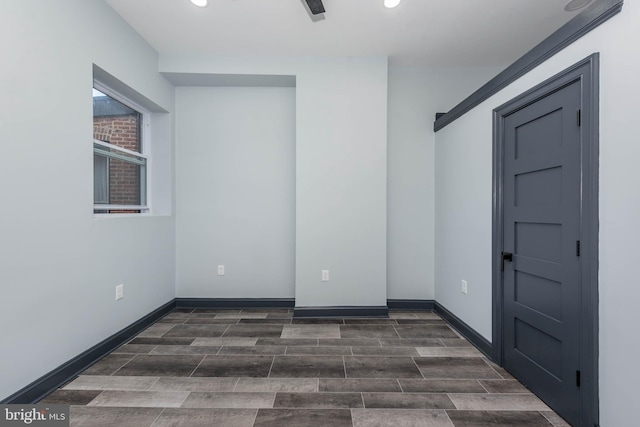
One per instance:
(542,284)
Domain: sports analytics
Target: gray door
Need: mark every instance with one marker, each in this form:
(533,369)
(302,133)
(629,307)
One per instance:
(542,282)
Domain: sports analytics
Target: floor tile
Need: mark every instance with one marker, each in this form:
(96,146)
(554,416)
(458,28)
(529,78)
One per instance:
(185,349)
(427,315)
(317,321)
(287,342)
(262,349)
(455,342)
(500,370)
(425,331)
(359,385)
(300,372)
(99,382)
(71,397)
(368,331)
(400,418)
(402,315)
(318,400)
(87,416)
(162,341)
(407,400)
(384,351)
(195,384)
(201,315)
(310,331)
(109,364)
(319,351)
(410,342)
(216,310)
(303,417)
(307,367)
(420,321)
(241,316)
(265,331)
(234,366)
(503,386)
(498,419)
(449,352)
(134,349)
(498,402)
(265,321)
(357,342)
(299,385)
(160,366)
(380,367)
(175,315)
(280,316)
(229,400)
(281,310)
(225,341)
(145,399)
(370,321)
(157,330)
(170,320)
(176,417)
(455,368)
(197,331)
(555,419)
(441,386)
(210,321)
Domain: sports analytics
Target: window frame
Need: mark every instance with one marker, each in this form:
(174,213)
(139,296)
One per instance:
(145,153)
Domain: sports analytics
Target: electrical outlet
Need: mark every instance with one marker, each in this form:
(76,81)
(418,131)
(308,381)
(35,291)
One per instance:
(221,270)
(463,288)
(325,275)
(119,292)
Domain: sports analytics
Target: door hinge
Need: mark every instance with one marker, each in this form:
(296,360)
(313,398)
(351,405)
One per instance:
(577,378)
(579,117)
(577,247)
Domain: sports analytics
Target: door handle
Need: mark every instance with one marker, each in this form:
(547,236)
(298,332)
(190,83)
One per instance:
(506,256)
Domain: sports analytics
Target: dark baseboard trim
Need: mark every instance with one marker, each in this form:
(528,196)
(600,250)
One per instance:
(63,373)
(593,16)
(342,311)
(410,304)
(235,303)
(465,330)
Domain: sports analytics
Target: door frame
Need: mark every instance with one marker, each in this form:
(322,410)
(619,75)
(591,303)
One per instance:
(587,73)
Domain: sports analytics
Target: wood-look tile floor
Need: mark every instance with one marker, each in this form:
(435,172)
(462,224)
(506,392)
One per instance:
(263,368)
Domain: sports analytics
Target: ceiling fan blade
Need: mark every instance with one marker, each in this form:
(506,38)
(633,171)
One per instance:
(315,6)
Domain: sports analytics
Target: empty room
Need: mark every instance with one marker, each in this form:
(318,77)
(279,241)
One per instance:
(319,213)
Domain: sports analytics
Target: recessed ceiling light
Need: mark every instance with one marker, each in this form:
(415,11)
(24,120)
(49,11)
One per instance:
(390,4)
(199,3)
(576,4)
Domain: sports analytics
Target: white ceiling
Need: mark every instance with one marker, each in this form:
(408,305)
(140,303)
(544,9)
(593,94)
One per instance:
(418,32)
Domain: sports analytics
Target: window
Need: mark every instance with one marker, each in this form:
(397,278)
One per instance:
(120,159)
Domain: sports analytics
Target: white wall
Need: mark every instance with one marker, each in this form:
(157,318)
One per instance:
(463,203)
(341,127)
(416,94)
(58,265)
(235,200)
(341,180)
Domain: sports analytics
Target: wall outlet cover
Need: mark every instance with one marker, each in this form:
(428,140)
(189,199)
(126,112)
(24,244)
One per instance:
(119,292)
